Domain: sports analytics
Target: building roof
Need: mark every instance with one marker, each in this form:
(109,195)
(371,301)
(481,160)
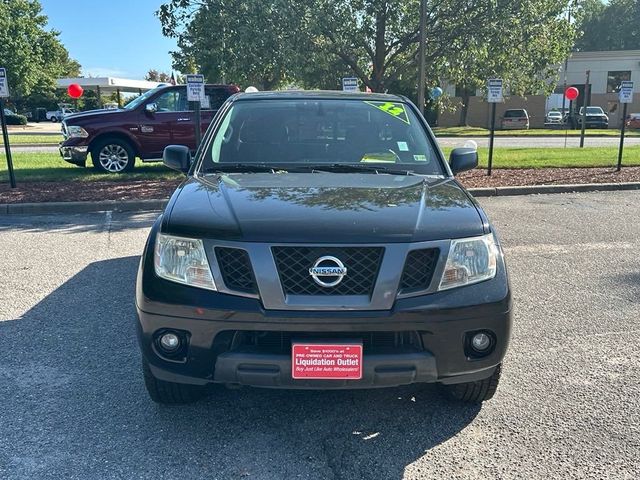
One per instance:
(606,55)
(108,84)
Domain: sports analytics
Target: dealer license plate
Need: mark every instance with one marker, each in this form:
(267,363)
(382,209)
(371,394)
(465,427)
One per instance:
(326,361)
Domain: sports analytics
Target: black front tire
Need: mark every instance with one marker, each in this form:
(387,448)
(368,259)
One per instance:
(113,155)
(476,392)
(170,393)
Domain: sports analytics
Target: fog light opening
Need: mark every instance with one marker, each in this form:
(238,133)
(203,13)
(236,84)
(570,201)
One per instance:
(170,342)
(480,343)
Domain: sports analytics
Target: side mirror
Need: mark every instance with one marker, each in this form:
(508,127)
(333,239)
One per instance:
(177,157)
(463,159)
(151,107)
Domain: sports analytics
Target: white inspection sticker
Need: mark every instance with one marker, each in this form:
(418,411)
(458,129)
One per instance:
(420,158)
(403,147)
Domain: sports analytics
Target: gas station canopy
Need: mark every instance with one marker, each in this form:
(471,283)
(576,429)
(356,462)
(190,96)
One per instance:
(108,84)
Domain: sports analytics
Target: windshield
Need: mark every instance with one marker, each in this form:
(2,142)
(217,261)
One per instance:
(515,114)
(592,111)
(304,133)
(141,99)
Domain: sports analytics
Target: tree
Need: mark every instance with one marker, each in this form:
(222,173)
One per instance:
(33,56)
(527,43)
(611,26)
(251,43)
(157,76)
(375,40)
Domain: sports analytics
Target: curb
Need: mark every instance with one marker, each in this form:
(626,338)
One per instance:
(82,207)
(542,189)
(151,205)
(30,145)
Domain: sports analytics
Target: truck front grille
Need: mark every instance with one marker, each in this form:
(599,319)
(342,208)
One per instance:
(280,342)
(362,265)
(418,270)
(236,270)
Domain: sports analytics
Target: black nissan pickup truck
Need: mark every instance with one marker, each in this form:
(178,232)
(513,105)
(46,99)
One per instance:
(319,241)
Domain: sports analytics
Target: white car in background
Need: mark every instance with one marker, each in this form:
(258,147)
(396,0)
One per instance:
(58,115)
(553,117)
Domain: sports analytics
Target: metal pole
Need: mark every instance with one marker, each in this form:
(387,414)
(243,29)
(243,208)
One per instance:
(119,98)
(7,148)
(492,136)
(624,124)
(566,66)
(198,124)
(421,52)
(584,109)
(99,95)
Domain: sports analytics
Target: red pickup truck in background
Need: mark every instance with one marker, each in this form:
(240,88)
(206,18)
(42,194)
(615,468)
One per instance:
(142,129)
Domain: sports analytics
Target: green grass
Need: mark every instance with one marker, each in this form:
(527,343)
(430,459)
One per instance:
(537,132)
(557,157)
(31,167)
(33,139)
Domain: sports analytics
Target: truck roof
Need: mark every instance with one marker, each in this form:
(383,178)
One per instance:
(318,94)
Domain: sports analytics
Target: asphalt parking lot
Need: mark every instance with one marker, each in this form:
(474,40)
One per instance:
(73,405)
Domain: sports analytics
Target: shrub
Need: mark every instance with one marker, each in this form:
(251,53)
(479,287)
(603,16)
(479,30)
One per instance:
(15,119)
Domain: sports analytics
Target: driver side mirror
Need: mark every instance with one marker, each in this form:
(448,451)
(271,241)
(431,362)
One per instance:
(463,159)
(151,108)
(177,157)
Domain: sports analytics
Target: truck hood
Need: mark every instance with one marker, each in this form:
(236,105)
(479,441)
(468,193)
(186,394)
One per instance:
(322,208)
(78,118)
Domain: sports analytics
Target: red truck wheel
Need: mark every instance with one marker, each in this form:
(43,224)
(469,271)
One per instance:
(112,155)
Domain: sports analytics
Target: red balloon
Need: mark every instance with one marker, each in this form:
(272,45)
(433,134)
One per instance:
(74,90)
(571,93)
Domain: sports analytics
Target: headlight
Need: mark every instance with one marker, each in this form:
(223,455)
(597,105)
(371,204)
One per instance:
(470,260)
(183,260)
(75,131)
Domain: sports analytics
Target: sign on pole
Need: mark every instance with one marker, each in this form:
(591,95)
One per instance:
(195,88)
(4,92)
(626,97)
(626,92)
(494,91)
(494,95)
(4,84)
(350,85)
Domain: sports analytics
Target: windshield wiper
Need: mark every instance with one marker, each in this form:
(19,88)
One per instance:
(243,168)
(346,167)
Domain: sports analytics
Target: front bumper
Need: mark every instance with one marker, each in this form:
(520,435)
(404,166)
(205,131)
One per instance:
(210,321)
(76,154)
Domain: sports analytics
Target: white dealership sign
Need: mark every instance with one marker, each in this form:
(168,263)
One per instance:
(4,83)
(626,92)
(494,90)
(195,88)
(350,85)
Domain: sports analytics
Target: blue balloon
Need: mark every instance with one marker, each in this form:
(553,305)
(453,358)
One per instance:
(436,93)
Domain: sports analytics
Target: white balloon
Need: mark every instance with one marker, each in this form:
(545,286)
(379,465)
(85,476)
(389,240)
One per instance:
(251,89)
(471,144)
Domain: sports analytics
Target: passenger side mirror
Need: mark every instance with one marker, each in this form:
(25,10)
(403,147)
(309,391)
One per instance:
(151,108)
(463,159)
(177,157)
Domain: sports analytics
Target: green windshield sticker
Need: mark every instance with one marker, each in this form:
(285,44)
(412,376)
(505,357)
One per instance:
(396,110)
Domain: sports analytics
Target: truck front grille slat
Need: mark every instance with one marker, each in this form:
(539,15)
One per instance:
(418,270)
(362,263)
(280,341)
(236,270)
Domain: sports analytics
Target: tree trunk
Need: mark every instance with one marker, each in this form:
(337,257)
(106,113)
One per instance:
(464,110)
